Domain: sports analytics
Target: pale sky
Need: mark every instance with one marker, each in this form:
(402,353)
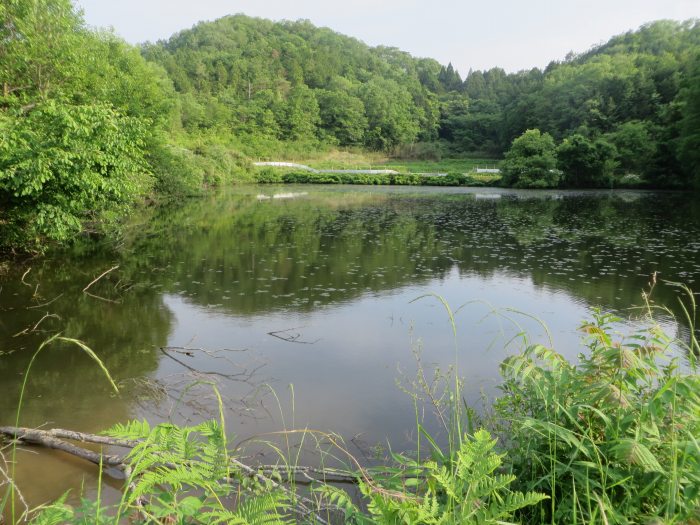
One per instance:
(513,34)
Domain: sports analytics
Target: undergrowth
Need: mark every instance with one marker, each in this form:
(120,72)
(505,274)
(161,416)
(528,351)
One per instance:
(611,439)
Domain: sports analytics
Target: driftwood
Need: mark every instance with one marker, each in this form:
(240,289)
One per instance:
(58,439)
(85,290)
(100,277)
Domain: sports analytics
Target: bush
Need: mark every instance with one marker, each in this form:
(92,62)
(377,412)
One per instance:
(64,166)
(178,172)
(530,162)
(268,176)
(464,487)
(276,176)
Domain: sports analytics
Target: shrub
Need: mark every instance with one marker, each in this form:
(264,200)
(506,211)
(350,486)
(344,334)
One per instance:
(631,180)
(177,171)
(64,166)
(463,488)
(530,162)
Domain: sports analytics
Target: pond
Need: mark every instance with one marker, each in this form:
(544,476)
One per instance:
(310,306)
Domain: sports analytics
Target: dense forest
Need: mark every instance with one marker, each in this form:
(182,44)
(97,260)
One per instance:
(91,125)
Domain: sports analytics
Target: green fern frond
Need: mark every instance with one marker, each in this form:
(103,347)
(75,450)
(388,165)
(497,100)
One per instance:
(338,497)
(267,509)
(131,430)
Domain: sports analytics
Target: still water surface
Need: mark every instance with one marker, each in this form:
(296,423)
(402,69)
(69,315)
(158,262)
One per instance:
(316,288)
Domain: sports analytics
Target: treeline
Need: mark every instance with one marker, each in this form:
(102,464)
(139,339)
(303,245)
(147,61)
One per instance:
(638,93)
(91,125)
(291,81)
(294,81)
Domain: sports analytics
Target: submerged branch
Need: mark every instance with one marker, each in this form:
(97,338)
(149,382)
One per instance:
(288,336)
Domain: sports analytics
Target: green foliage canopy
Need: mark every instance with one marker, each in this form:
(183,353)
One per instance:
(530,162)
(80,114)
(584,163)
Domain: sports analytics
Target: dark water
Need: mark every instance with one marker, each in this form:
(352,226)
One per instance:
(316,291)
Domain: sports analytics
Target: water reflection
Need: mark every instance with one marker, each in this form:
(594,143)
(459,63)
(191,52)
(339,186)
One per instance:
(247,257)
(316,291)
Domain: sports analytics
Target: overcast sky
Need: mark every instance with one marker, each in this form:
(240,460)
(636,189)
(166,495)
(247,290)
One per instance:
(513,34)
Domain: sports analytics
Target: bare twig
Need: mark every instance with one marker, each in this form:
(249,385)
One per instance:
(33,329)
(100,277)
(102,298)
(291,338)
(6,479)
(320,474)
(46,303)
(25,283)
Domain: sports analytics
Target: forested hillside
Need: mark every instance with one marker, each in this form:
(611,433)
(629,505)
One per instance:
(91,125)
(634,92)
(293,81)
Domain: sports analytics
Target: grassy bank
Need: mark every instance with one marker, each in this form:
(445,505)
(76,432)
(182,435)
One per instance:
(367,160)
(411,172)
(611,438)
(276,176)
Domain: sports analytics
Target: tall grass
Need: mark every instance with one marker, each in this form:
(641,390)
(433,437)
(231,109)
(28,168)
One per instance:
(610,439)
(11,494)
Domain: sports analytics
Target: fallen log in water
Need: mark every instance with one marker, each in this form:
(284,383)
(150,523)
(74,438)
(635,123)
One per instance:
(56,439)
(59,439)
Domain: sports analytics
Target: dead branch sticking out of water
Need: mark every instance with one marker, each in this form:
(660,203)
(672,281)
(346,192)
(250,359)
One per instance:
(85,290)
(56,439)
(34,328)
(100,277)
(25,283)
(46,303)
